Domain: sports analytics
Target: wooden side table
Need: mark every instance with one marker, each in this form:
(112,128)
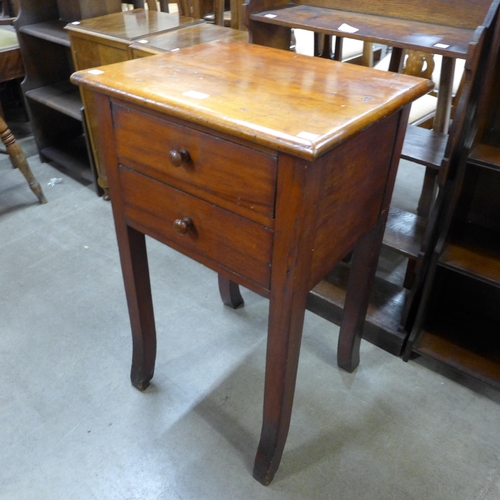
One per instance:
(264,165)
(105,40)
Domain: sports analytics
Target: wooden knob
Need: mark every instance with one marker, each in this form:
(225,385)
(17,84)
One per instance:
(177,158)
(182,226)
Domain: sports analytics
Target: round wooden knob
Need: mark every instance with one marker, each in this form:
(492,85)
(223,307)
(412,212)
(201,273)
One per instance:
(177,158)
(182,226)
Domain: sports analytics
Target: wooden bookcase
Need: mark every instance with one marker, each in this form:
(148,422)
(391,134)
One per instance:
(53,104)
(459,321)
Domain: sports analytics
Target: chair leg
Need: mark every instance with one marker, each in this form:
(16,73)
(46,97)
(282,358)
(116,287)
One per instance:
(19,161)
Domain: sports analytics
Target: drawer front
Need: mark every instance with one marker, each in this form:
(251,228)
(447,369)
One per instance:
(230,175)
(223,237)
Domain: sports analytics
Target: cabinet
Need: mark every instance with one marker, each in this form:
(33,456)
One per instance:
(53,104)
(459,318)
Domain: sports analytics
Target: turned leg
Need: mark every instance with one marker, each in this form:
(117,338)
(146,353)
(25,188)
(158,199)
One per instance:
(19,161)
(286,319)
(230,292)
(359,286)
(133,256)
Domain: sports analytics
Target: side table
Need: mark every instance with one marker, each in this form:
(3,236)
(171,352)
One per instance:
(266,166)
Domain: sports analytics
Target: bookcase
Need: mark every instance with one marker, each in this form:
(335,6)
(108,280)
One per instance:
(53,104)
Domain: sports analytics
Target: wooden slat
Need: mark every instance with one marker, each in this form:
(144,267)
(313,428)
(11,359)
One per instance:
(487,153)
(469,344)
(384,310)
(63,97)
(424,146)
(52,31)
(404,232)
(475,252)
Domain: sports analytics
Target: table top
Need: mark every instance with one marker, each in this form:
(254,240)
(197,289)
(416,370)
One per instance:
(187,37)
(291,103)
(132,24)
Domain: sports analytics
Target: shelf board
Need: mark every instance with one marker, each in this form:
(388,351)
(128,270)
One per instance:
(487,153)
(424,146)
(404,232)
(469,344)
(384,311)
(63,97)
(52,31)
(73,156)
(474,252)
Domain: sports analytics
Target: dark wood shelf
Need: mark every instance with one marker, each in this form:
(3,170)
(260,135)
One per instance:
(424,146)
(467,343)
(73,156)
(475,252)
(52,31)
(63,97)
(384,311)
(404,232)
(487,153)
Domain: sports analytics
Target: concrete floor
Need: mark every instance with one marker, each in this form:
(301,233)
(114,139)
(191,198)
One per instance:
(72,426)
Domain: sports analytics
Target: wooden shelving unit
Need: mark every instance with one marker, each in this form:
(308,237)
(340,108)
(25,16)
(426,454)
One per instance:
(461,316)
(53,104)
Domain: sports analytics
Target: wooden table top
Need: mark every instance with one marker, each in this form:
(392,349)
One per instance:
(132,24)
(187,37)
(296,104)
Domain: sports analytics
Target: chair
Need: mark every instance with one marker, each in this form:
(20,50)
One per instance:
(18,160)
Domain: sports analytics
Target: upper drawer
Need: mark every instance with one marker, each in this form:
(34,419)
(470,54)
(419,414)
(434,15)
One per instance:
(219,171)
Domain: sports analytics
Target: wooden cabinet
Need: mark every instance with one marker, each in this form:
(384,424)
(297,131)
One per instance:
(53,104)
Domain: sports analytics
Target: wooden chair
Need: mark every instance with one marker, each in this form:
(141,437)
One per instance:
(18,160)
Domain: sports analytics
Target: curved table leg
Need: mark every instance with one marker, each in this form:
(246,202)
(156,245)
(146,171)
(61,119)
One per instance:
(361,276)
(230,292)
(286,319)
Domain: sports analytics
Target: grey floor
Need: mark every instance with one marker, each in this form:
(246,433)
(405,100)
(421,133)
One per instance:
(72,426)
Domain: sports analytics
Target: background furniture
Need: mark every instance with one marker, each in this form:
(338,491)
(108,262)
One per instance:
(18,160)
(451,30)
(183,37)
(304,172)
(105,40)
(54,106)
(458,319)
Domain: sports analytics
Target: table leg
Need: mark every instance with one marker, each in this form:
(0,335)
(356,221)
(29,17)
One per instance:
(359,286)
(134,261)
(230,292)
(286,319)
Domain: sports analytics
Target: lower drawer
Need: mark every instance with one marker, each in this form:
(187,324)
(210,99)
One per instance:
(225,238)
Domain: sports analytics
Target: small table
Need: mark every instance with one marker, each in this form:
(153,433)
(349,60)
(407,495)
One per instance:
(264,165)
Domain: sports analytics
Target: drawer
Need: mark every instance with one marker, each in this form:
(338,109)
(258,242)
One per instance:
(230,175)
(223,237)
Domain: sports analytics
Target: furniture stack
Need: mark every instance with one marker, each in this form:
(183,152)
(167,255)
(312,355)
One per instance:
(451,239)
